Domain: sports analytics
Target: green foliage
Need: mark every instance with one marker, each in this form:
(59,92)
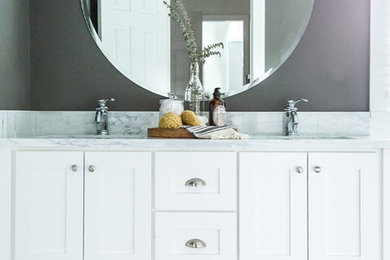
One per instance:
(179,15)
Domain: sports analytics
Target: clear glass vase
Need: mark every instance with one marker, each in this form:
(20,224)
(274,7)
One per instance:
(194,93)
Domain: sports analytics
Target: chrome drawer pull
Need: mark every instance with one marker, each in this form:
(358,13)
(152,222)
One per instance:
(195,182)
(195,243)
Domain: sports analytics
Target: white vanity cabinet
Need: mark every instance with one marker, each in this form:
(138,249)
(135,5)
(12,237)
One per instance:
(53,219)
(211,205)
(341,211)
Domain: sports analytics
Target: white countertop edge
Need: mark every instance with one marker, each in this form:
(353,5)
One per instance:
(144,144)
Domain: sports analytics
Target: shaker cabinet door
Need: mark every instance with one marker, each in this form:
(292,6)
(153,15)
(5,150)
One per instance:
(273,206)
(344,206)
(48,206)
(117,206)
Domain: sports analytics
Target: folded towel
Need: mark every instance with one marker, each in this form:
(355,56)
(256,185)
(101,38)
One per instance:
(215,132)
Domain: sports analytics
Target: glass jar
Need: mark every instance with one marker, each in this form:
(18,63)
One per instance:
(171,105)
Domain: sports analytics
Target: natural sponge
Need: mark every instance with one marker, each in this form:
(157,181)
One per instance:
(189,118)
(170,120)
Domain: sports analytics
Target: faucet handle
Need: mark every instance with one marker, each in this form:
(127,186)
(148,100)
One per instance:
(102,103)
(291,103)
(172,95)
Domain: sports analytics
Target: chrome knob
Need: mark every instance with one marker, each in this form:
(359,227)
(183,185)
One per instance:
(91,168)
(317,169)
(74,168)
(195,182)
(195,243)
(299,170)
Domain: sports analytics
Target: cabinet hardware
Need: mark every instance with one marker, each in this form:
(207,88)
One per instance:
(91,168)
(195,243)
(74,168)
(195,182)
(299,170)
(317,169)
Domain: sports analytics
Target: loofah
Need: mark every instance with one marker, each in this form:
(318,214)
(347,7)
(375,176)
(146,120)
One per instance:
(189,118)
(170,120)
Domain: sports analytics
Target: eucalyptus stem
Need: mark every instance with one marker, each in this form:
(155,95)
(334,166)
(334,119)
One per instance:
(180,16)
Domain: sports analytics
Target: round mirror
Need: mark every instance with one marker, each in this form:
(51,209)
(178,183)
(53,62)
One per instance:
(141,40)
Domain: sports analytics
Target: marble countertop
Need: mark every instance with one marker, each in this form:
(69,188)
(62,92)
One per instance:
(140,143)
(42,130)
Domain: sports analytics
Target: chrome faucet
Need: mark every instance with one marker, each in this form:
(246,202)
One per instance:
(101,117)
(290,118)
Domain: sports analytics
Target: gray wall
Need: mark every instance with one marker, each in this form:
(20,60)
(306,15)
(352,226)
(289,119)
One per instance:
(14,76)
(330,66)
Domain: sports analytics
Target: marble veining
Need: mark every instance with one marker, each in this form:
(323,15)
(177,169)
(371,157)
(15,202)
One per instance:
(310,123)
(17,124)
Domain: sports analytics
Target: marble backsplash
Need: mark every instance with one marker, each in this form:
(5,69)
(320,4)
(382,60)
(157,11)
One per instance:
(15,124)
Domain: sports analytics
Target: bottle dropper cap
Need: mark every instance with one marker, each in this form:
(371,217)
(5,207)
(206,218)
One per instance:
(217,93)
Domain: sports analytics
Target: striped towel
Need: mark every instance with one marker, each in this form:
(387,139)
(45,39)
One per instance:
(215,132)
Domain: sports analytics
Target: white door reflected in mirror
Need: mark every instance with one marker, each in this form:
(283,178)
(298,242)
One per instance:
(137,39)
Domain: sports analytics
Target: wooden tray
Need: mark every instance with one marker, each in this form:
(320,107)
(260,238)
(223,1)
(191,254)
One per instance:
(169,133)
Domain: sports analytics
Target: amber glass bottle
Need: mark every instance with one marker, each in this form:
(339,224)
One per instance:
(217,110)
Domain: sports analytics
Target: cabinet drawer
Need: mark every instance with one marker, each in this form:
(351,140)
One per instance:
(196,181)
(200,236)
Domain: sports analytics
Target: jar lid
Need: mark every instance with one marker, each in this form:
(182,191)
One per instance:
(171,101)
(171,98)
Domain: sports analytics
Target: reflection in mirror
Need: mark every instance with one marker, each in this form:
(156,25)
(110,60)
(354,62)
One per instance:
(227,70)
(141,41)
